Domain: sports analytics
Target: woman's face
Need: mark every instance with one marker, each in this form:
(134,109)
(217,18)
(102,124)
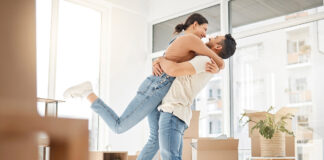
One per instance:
(200,29)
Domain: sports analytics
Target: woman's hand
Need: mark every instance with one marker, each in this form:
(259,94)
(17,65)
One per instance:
(156,69)
(212,67)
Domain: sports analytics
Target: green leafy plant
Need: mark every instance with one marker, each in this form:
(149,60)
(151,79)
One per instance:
(269,126)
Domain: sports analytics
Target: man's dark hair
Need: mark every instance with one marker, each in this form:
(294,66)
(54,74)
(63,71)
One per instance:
(228,47)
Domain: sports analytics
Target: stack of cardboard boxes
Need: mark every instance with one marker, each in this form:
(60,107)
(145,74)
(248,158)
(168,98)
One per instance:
(198,148)
(255,135)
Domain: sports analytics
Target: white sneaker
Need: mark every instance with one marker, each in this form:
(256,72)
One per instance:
(79,91)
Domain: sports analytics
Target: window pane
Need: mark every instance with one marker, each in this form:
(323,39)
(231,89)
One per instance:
(210,102)
(77,57)
(163,32)
(282,68)
(43,26)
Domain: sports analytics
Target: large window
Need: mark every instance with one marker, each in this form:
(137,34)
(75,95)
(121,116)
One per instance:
(210,102)
(43,24)
(279,62)
(78,54)
(76,30)
(281,68)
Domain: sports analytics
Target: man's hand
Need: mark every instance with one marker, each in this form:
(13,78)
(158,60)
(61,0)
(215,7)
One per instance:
(212,67)
(157,70)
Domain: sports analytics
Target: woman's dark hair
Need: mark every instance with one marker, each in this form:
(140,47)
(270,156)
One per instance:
(196,17)
(228,47)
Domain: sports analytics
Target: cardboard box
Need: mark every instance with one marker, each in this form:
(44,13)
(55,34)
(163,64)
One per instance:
(304,133)
(215,149)
(193,130)
(132,157)
(108,156)
(255,135)
(187,149)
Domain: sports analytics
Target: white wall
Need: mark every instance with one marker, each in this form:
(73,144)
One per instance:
(128,65)
(128,58)
(138,6)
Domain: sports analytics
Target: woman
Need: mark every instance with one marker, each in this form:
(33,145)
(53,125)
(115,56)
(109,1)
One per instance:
(154,88)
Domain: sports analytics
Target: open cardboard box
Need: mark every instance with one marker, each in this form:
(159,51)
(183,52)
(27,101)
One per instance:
(215,149)
(108,155)
(255,135)
(193,130)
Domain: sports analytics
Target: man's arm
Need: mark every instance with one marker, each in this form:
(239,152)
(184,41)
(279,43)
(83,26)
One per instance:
(196,65)
(180,69)
(196,45)
(176,69)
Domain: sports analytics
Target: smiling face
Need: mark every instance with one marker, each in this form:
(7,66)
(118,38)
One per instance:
(200,29)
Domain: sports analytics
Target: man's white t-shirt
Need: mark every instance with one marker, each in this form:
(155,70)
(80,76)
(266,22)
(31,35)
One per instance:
(184,89)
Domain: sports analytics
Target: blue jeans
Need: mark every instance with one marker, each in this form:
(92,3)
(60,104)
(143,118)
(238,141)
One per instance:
(152,145)
(166,134)
(148,97)
(171,130)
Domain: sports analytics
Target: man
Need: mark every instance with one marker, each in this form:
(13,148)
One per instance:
(173,116)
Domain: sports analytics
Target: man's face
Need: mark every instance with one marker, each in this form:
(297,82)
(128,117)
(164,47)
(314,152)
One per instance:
(214,41)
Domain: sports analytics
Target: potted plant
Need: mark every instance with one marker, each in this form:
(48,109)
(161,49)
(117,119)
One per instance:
(272,130)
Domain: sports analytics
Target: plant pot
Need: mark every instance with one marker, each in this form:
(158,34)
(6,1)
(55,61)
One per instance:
(275,147)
